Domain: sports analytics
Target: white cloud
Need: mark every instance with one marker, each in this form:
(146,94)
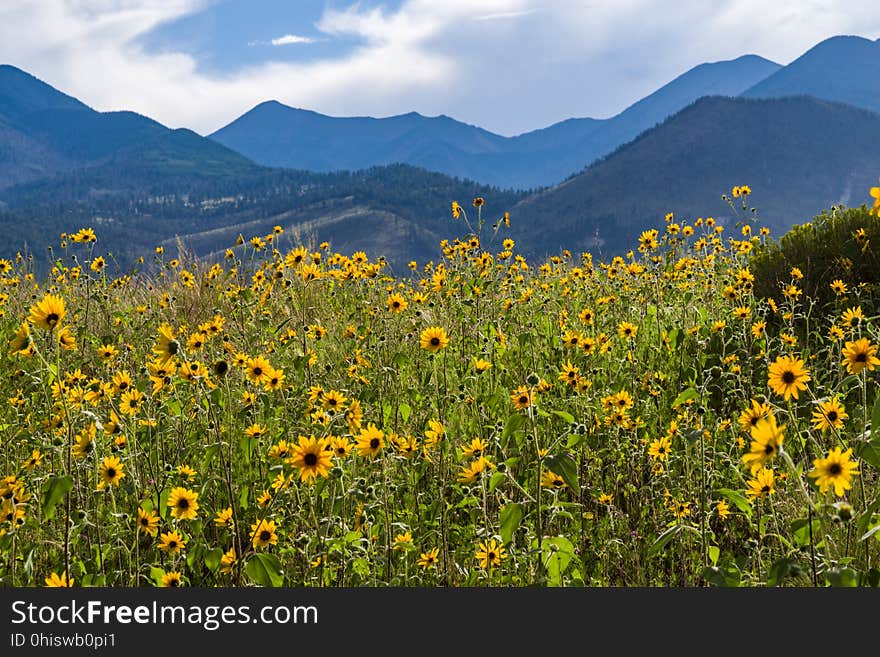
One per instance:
(545,61)
(289,39)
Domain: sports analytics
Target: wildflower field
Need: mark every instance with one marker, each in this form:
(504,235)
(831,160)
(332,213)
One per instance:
(292,416)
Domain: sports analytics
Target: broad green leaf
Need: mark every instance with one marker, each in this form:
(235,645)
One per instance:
(53,492)
(845,577)
(869,451)
(565,467)
(405,411)
(568,418)
(509,518)
(156,574)
(801,530)
(871,532)
(265,569)
(714,553)
(212,559)
(779,571)
(685,396)
(739,500)
(663,540)
(558,552)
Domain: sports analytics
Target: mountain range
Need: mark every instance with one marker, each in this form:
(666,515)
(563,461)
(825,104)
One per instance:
(804,136)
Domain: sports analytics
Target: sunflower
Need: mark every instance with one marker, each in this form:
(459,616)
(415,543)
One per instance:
(370,441)
(403,541)
(481,365)
(626,330)
(830,414)
(311,458)
(767,437)
(852,316)
(148,522)
(183,503)
(761,485)
(131,401)
(54,580)
(22,342)
(257,369)
(341,447)
(550,479)
(166,346)
(475,448)
(860,355)
(838,286)
(172,542)
(470,474)
(171,579)
(429,559)
(521,398)
(111,472)
(396,303)
(263,534)
(227,561)
(490,553)
(433,339)
(835,470)
(787,376)
(659,448)
(751,416)
(223,517)
(47,313)
(569,373)
(333,400)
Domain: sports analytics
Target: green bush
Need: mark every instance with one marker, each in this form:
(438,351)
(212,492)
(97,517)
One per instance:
(839,244)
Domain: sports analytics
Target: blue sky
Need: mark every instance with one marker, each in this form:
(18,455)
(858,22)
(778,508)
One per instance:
(507,65)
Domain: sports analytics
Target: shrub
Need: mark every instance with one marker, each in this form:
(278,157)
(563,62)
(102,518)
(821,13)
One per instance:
(839,244)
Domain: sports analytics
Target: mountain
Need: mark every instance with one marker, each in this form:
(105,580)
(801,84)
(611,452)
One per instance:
(44,132)
(843,69)
(799,155)
(275,135)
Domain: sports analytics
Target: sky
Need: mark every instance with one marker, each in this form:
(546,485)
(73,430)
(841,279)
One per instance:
(509,66)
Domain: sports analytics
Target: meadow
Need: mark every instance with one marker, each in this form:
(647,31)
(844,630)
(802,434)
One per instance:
(293,416)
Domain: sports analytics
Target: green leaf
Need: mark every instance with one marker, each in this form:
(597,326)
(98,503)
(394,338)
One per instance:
(685,396)
(53,492)
(801,530)
(739,500)
(265,569)
(663,540)
(846,577)
(727,575)
(495,479)
(156,574)
(509,518)
(568,418)
(869,451)
(405,411)
(779,571)
(515,422)
(212,559)
(558,552)
(871,532)
(565,467)
(714,553)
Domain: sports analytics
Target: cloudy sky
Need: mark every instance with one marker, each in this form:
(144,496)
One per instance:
(507,65)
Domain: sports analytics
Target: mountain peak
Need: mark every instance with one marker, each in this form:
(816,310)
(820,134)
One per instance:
(22,93)
(839,68)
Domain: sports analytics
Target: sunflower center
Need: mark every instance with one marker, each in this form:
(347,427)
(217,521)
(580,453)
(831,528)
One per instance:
(111,473)
(183,504)
(832,416)
(769,448)
(491,556)
(374,443)
(258,371)
(265,535)
(172,544)
(834,469)
(788,377)
(861,357)
(523,400)
(435,342)
(310,459)
(765,488)
(174,582)
(52,319)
